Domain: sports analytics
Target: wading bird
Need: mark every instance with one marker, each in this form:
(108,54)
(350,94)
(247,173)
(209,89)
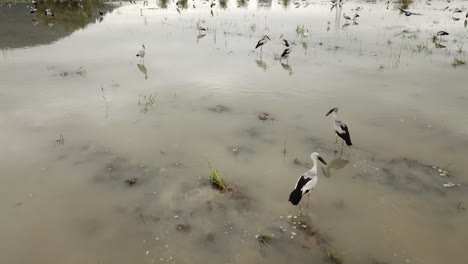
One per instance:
(262,42)
(48,12)
(285,54)
(306,182)
(346,17)
(101,13)
(408,13)
(341,129)
(442,33)
(142,52)
(200,28)
(438,36)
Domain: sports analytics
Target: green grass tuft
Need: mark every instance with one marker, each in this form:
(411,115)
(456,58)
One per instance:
(216,179)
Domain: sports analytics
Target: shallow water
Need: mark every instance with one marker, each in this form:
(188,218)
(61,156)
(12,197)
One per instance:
(382,201)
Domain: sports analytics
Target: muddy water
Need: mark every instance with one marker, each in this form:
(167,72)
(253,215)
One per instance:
(66,199)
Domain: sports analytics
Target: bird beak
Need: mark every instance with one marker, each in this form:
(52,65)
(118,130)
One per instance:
(322,160)
(331,111)
(268,37)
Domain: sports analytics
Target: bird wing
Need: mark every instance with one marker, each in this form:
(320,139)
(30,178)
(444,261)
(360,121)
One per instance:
(309,186)
(344,128)
(299,181)
(259,43)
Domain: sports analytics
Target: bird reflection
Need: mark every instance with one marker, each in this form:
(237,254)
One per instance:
(200,36)
(261,64)
(345,26)
(439,46)
(287,68)
(143,70)
(305,47)
(336,164)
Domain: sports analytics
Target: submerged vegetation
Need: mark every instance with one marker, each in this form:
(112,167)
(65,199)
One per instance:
(458,62)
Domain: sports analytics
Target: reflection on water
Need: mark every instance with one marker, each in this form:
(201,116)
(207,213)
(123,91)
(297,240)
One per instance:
(69,16)
(102,164)
(143,70)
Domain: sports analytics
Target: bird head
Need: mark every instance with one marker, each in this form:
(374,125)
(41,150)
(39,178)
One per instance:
(333,110)
(317,156)
(143,46)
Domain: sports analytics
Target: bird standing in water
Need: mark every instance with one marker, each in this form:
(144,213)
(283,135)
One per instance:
(142,52)
(48,12)
(341,129)
(262,42)
(306,182)
(200,28)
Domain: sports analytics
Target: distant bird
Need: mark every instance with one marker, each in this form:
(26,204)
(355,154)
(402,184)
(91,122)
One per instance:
(466,16)
(407,13)
(285,54)
(101,13)
(285,43)
(442,33)
(212,4)
(142,52)
(262,42)
(346,17)
(355,16)
(32,10)
(200,28)
(306,182)
(457,10)
(438,36)
(48,12)
(341,129)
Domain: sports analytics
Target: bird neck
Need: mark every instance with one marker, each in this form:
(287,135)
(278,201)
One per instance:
(334,116)
(314,168)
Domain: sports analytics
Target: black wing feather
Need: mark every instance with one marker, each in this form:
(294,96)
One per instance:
(296,195)
(345,135)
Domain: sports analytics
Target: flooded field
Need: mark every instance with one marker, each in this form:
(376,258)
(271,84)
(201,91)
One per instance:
(106,157)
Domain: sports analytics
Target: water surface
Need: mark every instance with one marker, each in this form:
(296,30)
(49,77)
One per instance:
(81,115)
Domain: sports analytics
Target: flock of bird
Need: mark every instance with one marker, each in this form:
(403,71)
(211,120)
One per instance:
(307,181)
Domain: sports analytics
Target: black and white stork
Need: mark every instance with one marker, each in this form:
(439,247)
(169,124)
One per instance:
(306,182)
(341,129)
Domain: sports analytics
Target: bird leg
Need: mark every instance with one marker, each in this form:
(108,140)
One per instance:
(342,144)
(336,142)
(308,199)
